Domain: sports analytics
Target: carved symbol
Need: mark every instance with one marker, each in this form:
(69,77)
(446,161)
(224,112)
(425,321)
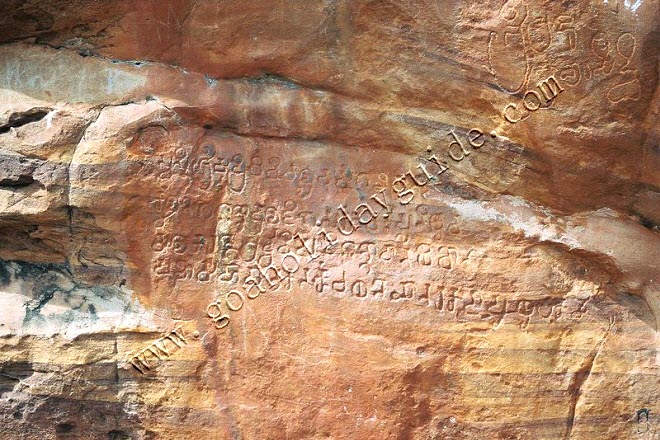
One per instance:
(600,46)
(570,75)
(630,90)
(564,27)
(625,46)
(538,31)
(506,51)
(627,88)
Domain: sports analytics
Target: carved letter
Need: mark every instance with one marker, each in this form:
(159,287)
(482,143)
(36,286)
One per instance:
(311,251)
(538,98)
(153,351)
(320,237)
(339,285)
(359,289)
(252,282)
(464,152)
(377,290)
(232,307)
(416,180)
(291,269)
(402,192)
(363,209)
(178,333)
(473,140)
(346,221)
(221,320)
(162,347)
(382,202)
(443,166)
(506,116)
(543,85)
(140,364)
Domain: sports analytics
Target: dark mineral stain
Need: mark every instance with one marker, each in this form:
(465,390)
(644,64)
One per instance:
(29,271)
(45,280)
(63,428)
(648,223)
(5,276)
(43,295)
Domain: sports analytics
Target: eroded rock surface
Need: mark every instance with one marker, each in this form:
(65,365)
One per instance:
(329,219)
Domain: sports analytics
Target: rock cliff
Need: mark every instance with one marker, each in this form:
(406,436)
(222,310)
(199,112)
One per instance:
(280,219)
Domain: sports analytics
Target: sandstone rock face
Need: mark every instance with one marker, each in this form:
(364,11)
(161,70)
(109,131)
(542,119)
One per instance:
(329,219)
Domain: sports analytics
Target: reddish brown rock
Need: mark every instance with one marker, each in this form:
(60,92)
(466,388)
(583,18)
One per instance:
(401,220)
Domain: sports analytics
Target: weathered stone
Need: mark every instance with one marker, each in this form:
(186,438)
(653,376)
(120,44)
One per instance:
(402,220)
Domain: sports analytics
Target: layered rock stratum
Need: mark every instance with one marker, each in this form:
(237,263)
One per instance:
(329,219)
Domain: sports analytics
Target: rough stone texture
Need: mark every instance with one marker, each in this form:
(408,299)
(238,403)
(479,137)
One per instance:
(290,207)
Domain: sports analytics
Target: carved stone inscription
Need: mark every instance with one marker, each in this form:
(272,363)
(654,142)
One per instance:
(253,222)
(160,349)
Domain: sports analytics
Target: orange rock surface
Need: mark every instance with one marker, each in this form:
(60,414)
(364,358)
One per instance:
(329,219)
